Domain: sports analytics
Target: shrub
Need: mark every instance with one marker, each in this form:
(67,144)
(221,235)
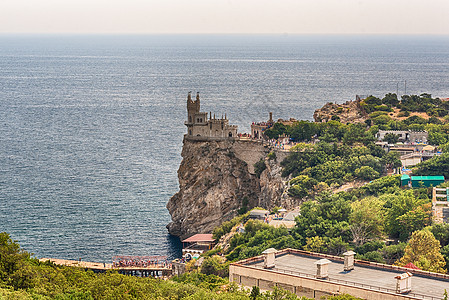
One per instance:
(377,113)
(259,167)
(366,173)
(214,266)
(374,256)
(301,186)
(227,226)
(369,247)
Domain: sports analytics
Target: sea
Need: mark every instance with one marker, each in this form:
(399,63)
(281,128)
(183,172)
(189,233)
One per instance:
(91,126)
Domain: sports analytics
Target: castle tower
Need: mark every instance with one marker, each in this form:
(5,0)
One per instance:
(199,126)
(193,107)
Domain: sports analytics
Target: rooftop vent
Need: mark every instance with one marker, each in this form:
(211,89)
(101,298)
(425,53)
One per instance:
(322,268)
(404,283)
(349,260)
(269,257)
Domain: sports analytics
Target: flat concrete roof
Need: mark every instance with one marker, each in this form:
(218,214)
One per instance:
(200,237)
(371,277)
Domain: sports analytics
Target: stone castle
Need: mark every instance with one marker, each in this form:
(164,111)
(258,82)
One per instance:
(200,127)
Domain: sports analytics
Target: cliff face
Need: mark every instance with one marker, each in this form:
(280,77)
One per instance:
(215,177)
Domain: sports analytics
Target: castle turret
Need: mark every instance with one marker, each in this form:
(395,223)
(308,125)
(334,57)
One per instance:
(193,107)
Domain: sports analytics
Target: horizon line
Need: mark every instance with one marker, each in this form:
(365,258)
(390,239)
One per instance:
(222,33)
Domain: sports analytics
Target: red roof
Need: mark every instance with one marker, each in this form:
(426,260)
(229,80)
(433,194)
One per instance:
(200,237)
(412,266)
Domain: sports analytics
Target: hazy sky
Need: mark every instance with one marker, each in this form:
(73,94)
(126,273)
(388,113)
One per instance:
(226,16)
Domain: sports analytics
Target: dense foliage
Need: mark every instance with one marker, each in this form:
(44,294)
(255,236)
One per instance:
(332,164)
(380,113)
(379,220)
(423,250)
(436,166)
(258,237)
(25,278)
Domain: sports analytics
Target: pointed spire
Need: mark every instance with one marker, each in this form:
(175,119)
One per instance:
(210,115)
(189,96)
(197,95)
(225,116)
(214,116)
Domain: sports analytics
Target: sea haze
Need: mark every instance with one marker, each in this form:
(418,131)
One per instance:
(91,127)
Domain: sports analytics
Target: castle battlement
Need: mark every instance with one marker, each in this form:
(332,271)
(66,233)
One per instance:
(199,125)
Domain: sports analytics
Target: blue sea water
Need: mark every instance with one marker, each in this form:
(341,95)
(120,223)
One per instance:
(91,127)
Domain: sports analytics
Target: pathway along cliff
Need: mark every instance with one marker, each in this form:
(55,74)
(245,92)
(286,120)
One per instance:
(216,178)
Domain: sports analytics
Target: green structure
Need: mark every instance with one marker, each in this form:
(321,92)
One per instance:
(427,181)
(405,179)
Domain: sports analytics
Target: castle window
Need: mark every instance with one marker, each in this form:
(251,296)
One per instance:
(230,134)
(210,125)
(190,132)
(201,120)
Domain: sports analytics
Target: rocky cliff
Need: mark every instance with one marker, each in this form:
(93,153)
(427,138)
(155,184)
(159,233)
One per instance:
(348,112)
(214,179)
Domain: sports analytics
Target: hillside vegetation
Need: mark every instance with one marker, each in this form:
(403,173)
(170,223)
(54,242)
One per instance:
(380,221)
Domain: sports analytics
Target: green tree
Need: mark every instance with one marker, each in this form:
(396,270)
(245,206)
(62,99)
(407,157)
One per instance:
(14,263)
(438,165)
(326,218)
(423,250)
(366,219)
(393,253)
(391,138)
(366,173)
(391,159)
(405,213)
(437,138)
(441,233)
(315,244)
(357,133)
(259,167)
(275,131)
(303,131)
(255,292)
(391,100)
(301,186)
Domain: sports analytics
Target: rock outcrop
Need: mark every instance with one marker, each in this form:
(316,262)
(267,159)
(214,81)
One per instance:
(214,179)
(348,112)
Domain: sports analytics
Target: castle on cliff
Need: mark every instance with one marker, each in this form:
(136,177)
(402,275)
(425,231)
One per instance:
(200,127)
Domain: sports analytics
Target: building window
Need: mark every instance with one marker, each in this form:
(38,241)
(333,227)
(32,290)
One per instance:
(230,134)
(190,132)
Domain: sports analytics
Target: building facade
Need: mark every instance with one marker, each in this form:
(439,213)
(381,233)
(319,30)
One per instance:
(200,126)
(257,129)
(405,136)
